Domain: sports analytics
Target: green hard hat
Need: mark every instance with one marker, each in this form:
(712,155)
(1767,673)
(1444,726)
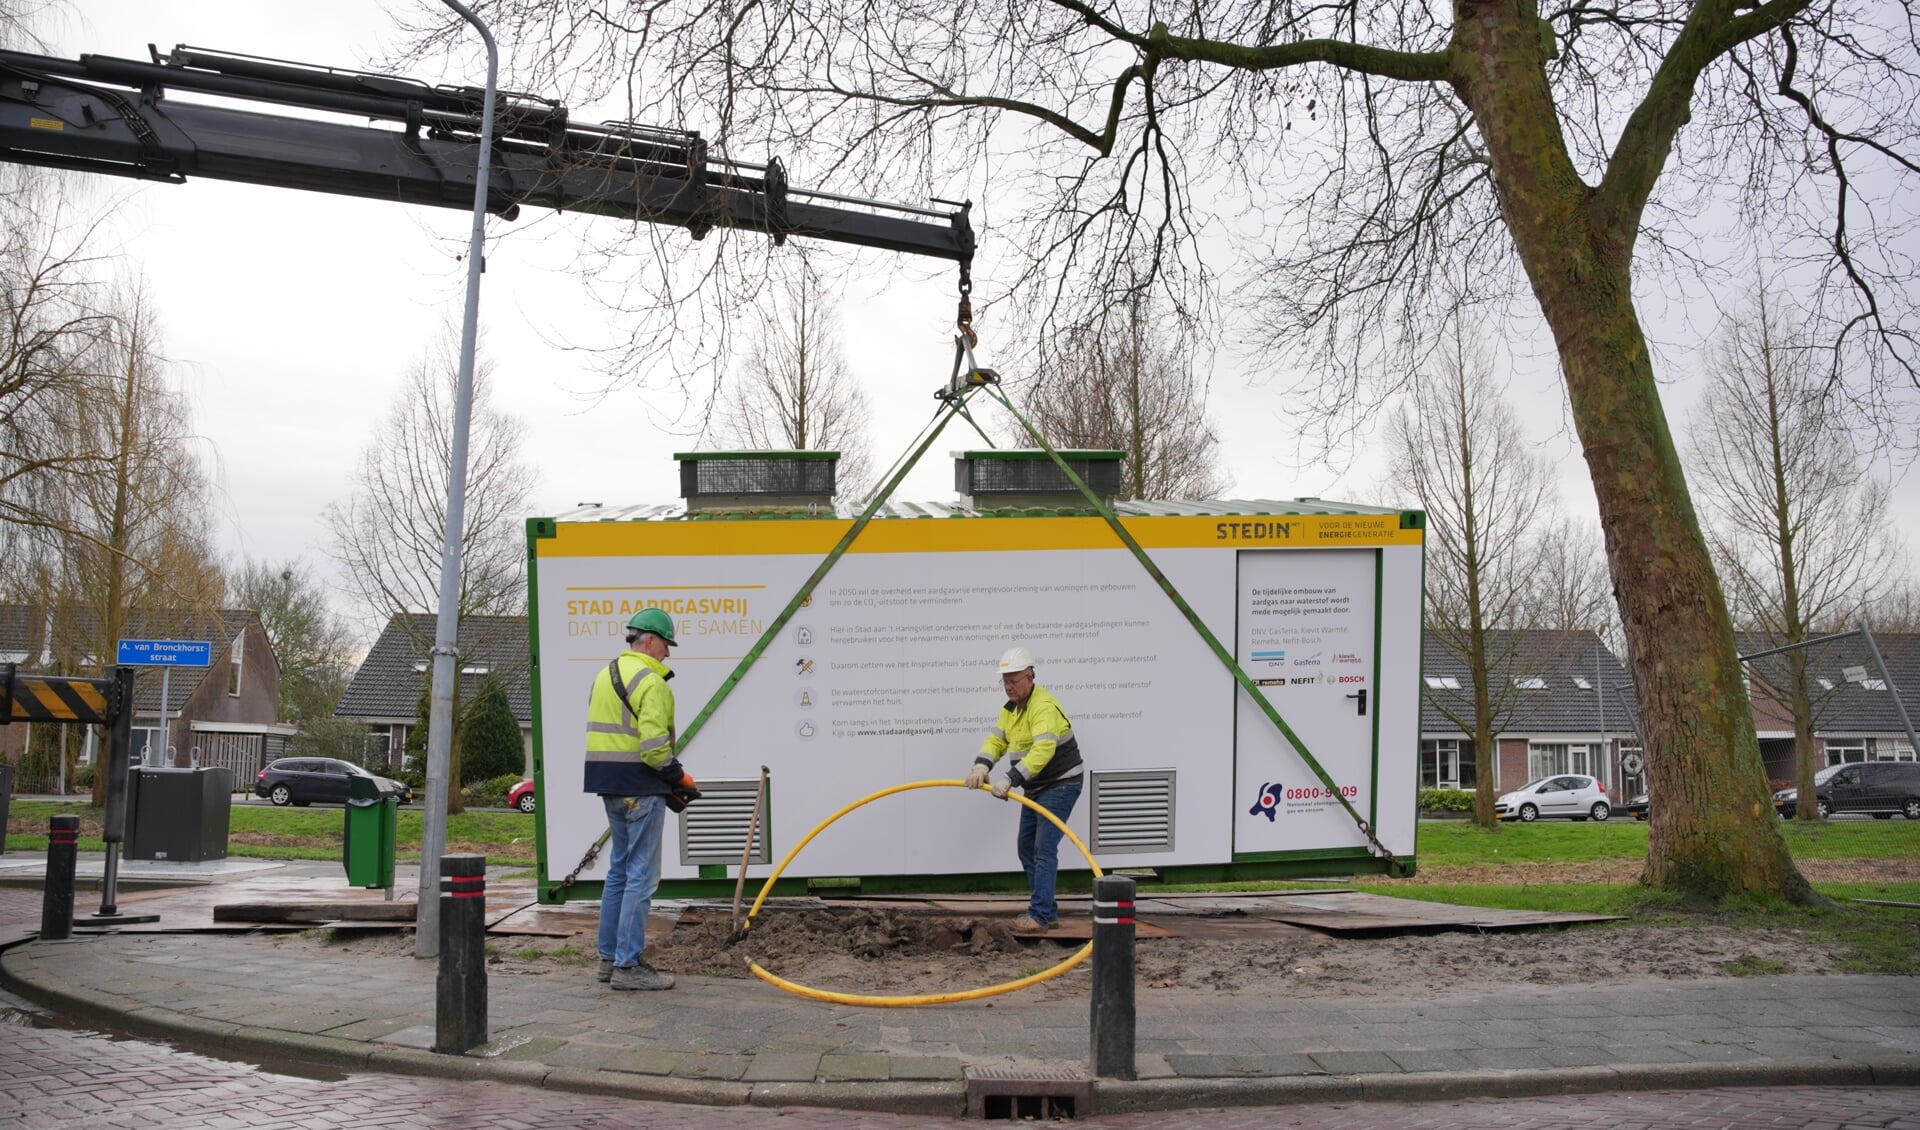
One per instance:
(655,621)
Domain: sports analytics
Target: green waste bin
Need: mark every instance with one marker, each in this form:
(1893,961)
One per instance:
(367,848)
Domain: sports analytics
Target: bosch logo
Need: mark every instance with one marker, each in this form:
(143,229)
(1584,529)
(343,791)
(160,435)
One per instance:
(1353,678)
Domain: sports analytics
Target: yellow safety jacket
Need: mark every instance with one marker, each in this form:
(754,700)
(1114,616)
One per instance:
(1040,736)
(630,752)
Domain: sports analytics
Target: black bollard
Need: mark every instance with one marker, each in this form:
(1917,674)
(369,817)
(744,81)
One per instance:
(460,1002)
(56,902)
(1112,1013)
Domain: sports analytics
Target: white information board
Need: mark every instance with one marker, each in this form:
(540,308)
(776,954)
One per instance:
(1306,638)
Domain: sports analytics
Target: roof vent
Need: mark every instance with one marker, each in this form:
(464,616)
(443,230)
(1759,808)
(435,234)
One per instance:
(757,480)
(1025,477)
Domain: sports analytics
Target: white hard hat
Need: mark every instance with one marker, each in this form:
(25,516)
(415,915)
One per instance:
(1015,659)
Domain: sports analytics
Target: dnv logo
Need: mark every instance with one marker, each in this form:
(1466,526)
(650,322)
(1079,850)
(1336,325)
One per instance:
(1268,802)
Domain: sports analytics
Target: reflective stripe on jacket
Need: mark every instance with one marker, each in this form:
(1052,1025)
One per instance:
(1041,739)
(628,751)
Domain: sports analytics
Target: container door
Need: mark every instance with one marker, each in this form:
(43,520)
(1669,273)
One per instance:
(1307,636)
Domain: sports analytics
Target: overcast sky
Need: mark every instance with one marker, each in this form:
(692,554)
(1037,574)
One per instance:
(294,316)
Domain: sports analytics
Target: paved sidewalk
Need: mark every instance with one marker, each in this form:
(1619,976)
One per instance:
(732,1042)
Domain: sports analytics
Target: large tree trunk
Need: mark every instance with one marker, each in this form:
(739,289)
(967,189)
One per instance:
(1712,827)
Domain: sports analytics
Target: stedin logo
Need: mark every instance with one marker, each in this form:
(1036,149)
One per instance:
(1268,803)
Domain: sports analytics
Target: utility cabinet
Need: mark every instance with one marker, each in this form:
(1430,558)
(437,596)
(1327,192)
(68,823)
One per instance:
(887,674)
(181,815)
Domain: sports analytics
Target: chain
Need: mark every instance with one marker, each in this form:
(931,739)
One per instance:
(963,321)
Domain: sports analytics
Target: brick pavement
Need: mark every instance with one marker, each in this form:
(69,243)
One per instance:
(57,1078)
(732,1042)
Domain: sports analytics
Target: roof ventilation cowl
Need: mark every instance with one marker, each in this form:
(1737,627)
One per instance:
(776,481)
(1028,478)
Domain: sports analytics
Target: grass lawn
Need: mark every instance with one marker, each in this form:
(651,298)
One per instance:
(303,833)
(1461,843)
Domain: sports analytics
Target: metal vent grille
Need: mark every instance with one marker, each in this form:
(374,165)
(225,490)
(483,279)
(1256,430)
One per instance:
(773,473)
(989,476)
(713,829)
(1132,811)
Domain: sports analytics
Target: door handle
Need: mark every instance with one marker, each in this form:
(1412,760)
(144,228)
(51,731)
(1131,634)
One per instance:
(1362,696)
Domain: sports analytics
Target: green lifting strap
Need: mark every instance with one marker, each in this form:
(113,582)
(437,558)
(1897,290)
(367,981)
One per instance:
(952,407)
(1193,618)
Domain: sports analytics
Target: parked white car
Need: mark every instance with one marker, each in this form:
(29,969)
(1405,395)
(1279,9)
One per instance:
(1572,795)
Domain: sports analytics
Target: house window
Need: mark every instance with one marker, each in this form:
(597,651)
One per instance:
(148,747)
(1530,683)
(1446,763)
(1892,749)
(234,668)
(1443,682)
(1544,759)
(1841,751)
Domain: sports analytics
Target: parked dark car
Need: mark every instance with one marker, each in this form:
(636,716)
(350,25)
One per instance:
(1636,807)
(307,780)
(1881,788)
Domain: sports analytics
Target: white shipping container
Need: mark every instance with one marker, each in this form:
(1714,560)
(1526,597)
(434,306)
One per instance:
(887,675)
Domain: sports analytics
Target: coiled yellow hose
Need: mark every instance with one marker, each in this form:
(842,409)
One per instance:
(778,982)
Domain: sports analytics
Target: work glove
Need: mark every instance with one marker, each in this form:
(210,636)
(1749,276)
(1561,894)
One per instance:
(1002,787)
(977,776)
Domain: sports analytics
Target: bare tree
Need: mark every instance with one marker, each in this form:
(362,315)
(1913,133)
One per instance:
(1125,387)
(1797,522)
(1897,609)
(53,321)
(125,526)
(1457,447)
(1354,154)
(1568,588)
(312,643)
(387,535)
(793,390)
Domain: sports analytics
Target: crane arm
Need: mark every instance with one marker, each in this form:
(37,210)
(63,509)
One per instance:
(416,144)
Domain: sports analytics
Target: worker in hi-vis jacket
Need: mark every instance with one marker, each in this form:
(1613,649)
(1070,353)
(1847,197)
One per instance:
(1046,765)
(631,765)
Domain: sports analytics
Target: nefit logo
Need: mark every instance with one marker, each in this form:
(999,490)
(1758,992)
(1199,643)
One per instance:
(1303,680)
(1268,803)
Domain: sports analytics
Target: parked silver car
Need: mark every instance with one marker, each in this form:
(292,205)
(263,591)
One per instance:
(1575,796)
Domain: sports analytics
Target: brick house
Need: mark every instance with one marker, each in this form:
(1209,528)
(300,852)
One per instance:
(385,692)
(1857,716)
(1562,703)
(223,714)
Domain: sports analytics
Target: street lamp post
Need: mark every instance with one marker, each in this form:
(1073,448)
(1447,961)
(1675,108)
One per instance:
(433,833)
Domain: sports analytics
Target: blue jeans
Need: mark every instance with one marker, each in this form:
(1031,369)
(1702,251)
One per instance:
(1039,847)
(633,872)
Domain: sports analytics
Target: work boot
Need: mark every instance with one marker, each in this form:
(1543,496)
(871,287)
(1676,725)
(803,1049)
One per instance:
(641,976)
(1027,922)
(606,970)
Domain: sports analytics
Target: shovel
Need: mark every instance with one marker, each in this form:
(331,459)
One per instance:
(746,853)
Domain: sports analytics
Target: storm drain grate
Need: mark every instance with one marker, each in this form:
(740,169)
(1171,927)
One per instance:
(1015,1095)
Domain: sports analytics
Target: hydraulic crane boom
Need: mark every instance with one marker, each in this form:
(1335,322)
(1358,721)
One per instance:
(419,145)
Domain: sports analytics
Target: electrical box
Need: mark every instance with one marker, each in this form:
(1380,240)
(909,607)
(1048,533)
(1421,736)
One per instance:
(887,674)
